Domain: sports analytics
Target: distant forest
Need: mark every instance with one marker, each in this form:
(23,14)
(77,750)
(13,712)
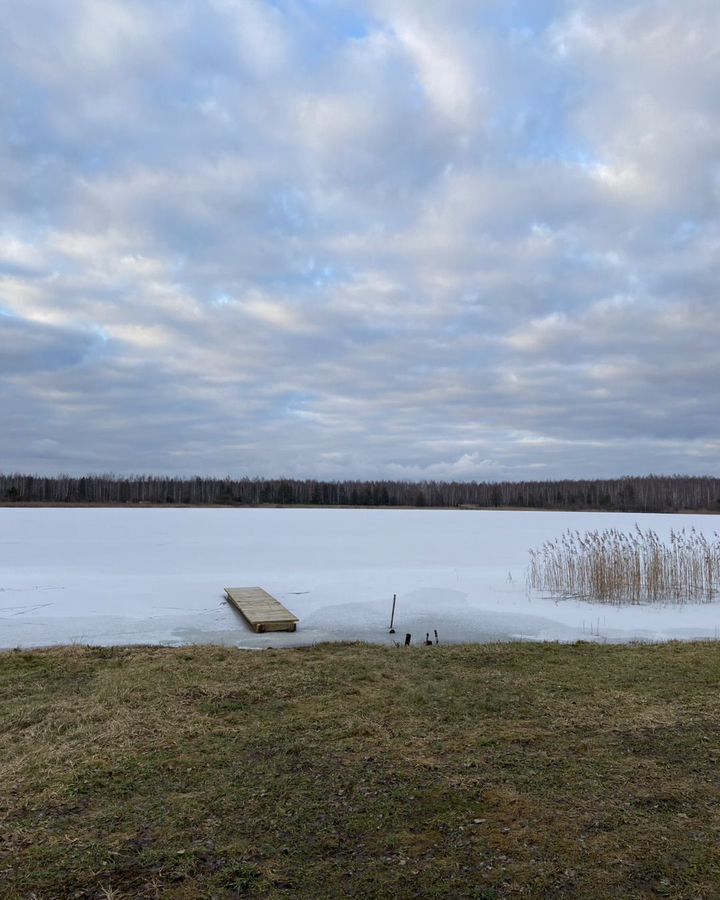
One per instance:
(650,493)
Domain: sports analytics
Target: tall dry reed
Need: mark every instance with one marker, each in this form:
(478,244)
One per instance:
(614,567)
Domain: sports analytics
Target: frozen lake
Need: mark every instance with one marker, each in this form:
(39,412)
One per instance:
(124,576)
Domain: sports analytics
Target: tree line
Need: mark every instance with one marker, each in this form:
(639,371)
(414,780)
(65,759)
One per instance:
(651,493)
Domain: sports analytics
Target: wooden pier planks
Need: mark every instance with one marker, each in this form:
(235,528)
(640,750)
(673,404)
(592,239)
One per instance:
(261,610)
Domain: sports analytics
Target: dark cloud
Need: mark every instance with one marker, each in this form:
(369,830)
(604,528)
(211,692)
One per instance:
(359,238)
(27,346)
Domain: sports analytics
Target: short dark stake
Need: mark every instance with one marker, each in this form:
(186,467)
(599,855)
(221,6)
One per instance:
(408,638)
(392,615)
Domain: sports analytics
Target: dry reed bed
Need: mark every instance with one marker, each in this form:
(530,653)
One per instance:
(611,566)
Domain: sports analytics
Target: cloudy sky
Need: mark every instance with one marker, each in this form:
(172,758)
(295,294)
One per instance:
(360,238)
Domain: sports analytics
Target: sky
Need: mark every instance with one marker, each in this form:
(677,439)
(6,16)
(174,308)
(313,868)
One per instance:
(360,239)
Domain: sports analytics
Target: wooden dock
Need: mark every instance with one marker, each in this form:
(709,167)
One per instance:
(261,610)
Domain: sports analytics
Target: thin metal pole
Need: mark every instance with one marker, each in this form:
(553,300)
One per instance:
(392,615)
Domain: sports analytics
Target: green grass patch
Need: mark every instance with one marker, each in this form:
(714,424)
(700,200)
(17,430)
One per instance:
(486,771)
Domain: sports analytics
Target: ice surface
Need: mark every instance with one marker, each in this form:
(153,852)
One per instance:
(124,576)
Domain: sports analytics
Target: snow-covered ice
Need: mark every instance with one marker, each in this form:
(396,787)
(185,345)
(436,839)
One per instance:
(144,575)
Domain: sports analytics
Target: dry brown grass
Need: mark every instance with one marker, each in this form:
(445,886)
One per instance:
(613,567)
(508,770)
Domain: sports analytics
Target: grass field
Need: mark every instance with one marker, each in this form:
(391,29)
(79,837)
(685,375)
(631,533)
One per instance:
(481,771)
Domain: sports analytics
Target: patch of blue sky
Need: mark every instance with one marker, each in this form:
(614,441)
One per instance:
(338,19)
(353,26)
(324,275)
(100,346)
(685,231)
(298,403)
(548,141)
